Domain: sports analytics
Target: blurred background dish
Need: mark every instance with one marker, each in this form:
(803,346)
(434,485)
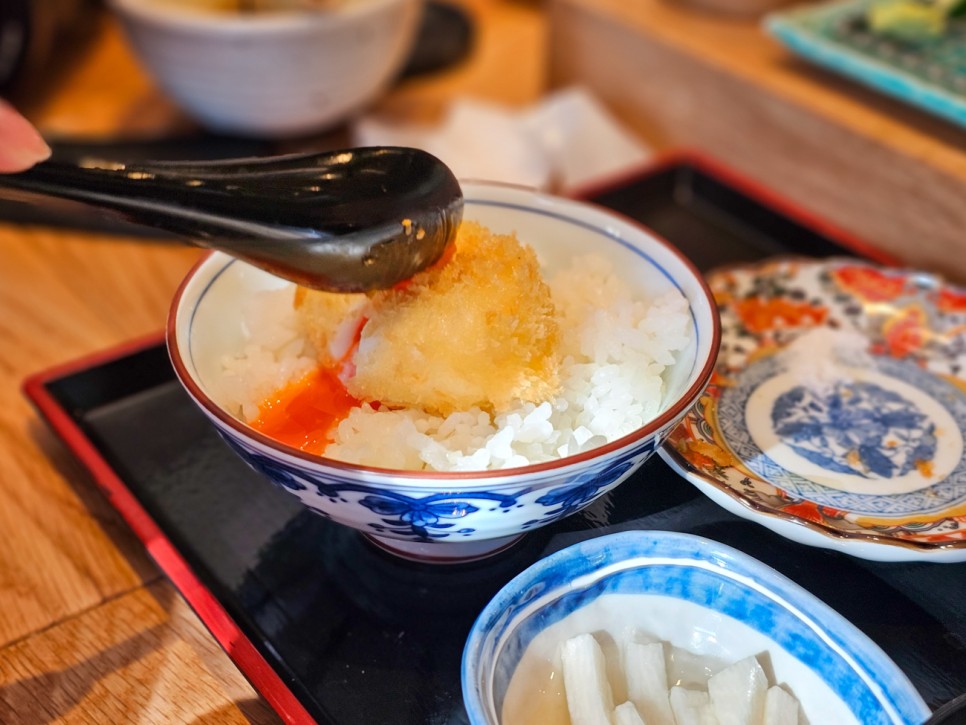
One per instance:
(37,36)
(272,73)
(696,595)
(928,72)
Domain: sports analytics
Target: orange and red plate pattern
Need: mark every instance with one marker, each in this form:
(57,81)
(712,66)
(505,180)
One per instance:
(906,318)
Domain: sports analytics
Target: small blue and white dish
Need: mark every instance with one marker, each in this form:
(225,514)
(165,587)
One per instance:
(702,598)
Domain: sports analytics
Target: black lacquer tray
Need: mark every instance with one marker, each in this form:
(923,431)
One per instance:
(331,629)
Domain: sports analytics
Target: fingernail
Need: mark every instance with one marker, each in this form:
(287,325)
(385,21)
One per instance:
(21,145)
(33,150)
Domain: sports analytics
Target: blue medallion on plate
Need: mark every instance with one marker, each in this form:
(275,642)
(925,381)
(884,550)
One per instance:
(860,428)
(870,446)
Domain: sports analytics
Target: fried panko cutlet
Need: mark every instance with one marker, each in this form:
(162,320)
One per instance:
(330,321)
(479,330)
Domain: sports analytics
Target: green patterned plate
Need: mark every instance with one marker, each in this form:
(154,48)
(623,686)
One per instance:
(835,35)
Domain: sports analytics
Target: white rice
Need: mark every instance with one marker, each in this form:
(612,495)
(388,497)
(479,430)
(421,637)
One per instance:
(615,349)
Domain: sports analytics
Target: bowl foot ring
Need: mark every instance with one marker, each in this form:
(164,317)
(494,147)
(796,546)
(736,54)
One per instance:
(444,553)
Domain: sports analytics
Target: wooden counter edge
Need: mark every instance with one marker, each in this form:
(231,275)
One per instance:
(884,188)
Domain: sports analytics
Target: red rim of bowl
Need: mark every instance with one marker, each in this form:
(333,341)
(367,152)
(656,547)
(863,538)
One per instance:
(675,411)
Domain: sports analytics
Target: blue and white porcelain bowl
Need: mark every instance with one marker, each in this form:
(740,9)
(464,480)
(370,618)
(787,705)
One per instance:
(438,516)
(699,596)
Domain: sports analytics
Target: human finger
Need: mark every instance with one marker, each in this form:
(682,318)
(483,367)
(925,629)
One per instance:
(21,145)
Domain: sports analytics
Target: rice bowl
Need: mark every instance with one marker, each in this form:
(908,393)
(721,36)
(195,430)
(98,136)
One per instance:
(538,468)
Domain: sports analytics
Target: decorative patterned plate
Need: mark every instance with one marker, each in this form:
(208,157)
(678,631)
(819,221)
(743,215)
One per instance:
(835,35)
(837,412)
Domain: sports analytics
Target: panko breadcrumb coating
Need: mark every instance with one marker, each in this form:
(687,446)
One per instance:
(330,321)
(479,330)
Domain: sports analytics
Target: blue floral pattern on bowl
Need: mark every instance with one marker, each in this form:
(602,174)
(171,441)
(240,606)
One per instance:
(422,513)
(874,432)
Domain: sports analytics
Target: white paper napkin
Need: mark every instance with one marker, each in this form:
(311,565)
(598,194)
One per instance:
(566,140)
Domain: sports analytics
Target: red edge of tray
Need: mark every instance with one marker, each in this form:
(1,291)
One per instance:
(232,639)
(206,606)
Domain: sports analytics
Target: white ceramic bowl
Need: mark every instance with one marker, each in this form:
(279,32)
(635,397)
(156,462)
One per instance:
(271,74)
(455,516)
(700,596)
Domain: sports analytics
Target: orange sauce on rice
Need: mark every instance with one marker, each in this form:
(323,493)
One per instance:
(303,413)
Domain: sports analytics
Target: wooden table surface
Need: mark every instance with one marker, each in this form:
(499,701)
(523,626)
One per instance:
(90,630)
